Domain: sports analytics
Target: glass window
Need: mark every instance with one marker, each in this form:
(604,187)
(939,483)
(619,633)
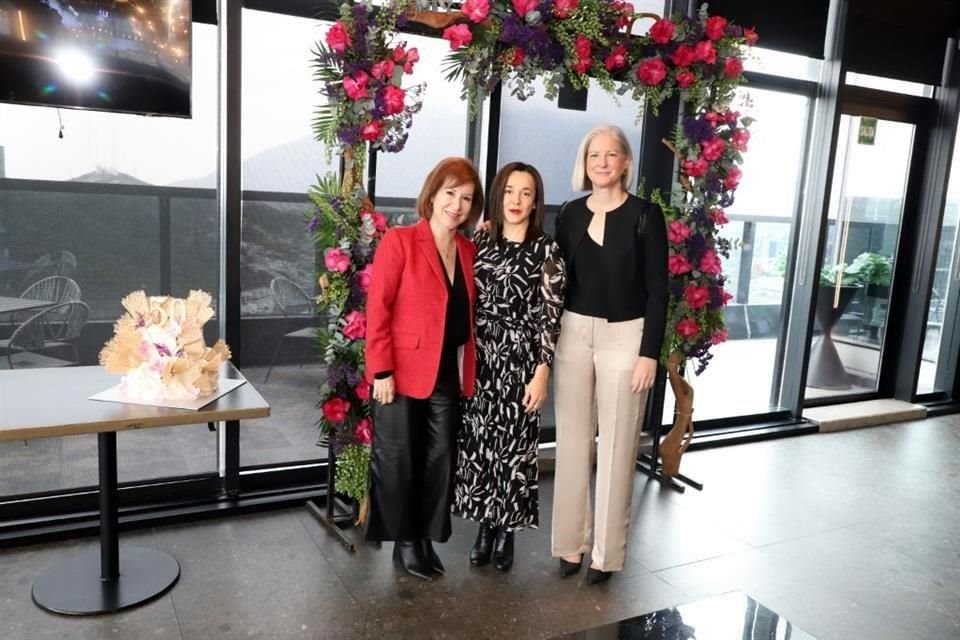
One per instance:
(761,224)
(119,203)
(889,84)
(778,63)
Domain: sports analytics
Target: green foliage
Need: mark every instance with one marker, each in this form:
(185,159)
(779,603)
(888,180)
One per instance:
(353,471)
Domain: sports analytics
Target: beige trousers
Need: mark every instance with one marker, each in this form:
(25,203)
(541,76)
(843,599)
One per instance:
(592,372)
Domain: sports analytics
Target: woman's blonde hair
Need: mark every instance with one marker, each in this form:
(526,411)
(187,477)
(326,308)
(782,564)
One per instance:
(580,181)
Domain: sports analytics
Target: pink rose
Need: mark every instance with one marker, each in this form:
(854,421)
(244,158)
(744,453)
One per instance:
(356,325)
(458,35)
(652,71)
(392,99)
(727,296)
(356,86)
(731,117)
(695,168)
(710,263)
(662,30)
(626,11)
(338,38)
(383,70)
(364,276)
(335,409)
(719,336)
(714,118)
(740,139)
(363,391)
(363,431)
(523,7)
(412,56)
(704,51)
(718,216)
(684,56)
(617,58)
(750,36)
(687,328)
(732,67)
(336,260)
(372,131)
(582,47)
(696,296)
(715,27)
(713,148)
(476,10)
(733,178)
(379,221)
(685,79)
(563,8)
(678,264)
(677,232)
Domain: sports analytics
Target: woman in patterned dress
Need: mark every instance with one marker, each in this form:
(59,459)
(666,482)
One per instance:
(519,278)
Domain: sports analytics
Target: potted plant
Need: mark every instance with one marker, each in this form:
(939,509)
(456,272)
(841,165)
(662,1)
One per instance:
(874,270)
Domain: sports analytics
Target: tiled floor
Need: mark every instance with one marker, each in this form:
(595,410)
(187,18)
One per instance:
(850,536)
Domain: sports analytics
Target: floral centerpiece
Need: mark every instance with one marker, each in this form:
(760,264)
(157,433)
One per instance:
(159,349)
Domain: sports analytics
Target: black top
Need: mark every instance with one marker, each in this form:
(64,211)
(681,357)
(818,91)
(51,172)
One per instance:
(633,283)
(586,294)
(458,307)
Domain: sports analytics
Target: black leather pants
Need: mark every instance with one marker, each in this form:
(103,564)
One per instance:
(411,464)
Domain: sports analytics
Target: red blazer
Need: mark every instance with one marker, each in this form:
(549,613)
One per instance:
(407,309)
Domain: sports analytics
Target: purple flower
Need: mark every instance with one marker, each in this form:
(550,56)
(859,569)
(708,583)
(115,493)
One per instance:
(162,349)
(696,247)
(727,199)
(697,129)
(313,225)
(712,183)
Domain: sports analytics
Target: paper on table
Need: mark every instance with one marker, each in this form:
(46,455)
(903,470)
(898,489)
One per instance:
(225,386)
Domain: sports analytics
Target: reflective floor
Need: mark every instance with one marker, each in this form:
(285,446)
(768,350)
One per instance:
(732,616)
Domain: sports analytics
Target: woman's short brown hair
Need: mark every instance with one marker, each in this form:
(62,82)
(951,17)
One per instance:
(458,171)
(495,203)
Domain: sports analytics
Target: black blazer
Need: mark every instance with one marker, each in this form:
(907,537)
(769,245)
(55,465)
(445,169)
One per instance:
(635,249)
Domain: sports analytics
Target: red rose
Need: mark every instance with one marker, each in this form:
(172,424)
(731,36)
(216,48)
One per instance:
(617,58)
(719,337)
(696,296)
(652,71)
(740,139)
(392,99)
(476,10)
(732,67)
(715,27)
(678,264)
(363,431)
(718,216)
(412,56)
(733,178)
(356,86)
(523,7)
(695,168)
(684,56)
(335,409)
(383,70)
(582,48)
(363,391)
(710,263)
(704,51)
(355,326)
(687,328)
(458,35)
(685,79)
(713,148)
(372,131)
(662,30)
(338,38)
(518,56)
(563,8)
(677,232)
(626,11)
(750,36)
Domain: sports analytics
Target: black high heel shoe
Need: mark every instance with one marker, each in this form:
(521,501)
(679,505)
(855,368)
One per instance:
(406,555)
(569,568)
(503,550)
(430,558)
(483,547)
(596,576)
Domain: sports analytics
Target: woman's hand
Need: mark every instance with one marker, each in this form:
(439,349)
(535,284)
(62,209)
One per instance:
(384,390)
(535,393)
(644,373)
(483,226)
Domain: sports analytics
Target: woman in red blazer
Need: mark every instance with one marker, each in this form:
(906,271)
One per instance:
(420,357)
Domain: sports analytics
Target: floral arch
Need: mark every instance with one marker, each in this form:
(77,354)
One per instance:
(514,42)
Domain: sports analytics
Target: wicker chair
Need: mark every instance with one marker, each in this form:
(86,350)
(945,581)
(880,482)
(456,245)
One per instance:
(293,302)
(29,340)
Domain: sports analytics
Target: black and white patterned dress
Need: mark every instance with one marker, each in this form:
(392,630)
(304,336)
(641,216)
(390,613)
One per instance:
(518,306)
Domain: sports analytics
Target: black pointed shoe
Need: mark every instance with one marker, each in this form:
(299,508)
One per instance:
(569,568)
(430,557)
(483,547)
(596,576)
(407,556)
(503,550)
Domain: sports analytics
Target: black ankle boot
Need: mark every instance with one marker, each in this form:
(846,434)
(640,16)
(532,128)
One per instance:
(407,556)
(483,547)
(430,558)
(503,550)
(569,568)
(596,576)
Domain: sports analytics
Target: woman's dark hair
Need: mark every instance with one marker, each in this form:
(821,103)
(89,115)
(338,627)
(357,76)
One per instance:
(495,201)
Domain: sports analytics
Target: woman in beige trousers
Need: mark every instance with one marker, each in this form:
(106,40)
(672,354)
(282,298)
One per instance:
(615,248)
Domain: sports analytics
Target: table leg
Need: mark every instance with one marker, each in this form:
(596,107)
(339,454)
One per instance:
(128,576)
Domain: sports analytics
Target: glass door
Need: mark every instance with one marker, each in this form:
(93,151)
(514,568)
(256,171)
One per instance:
(859,259)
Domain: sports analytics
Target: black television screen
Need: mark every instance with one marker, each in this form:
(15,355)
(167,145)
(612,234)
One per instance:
(114,55)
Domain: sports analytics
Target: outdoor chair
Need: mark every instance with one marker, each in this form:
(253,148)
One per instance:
(294,303)
(24,348)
